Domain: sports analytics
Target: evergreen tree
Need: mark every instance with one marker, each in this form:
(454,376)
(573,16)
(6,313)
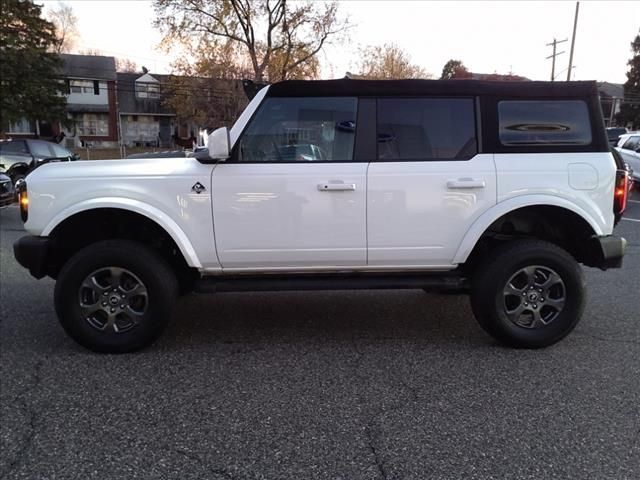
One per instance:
(30,84)
(630,109)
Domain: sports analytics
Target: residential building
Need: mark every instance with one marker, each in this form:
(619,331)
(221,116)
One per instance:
(91,100)
(611,97)
(145,120)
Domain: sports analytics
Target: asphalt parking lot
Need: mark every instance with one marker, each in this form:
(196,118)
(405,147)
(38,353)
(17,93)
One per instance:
(322,385)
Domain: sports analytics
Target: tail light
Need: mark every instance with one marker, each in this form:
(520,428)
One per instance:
(620,192)
(23,199)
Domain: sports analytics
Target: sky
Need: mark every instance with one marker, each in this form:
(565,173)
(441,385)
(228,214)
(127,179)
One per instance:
(489,37)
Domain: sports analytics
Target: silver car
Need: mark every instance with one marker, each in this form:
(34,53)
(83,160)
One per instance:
(629,148)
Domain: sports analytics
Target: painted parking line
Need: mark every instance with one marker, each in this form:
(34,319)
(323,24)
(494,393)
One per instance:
(632,219)
(634,201)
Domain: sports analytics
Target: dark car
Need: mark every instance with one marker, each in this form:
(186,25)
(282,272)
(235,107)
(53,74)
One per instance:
(613,134)
(19,157)
(7,194)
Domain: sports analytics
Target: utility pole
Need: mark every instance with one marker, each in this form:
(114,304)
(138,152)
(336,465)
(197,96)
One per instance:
(573,40)
(554,55)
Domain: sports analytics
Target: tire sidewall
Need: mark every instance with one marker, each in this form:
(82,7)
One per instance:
(494,317)
(138,261)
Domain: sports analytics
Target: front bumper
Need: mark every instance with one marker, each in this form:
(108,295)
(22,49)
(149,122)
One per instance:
(608,251)
(31,252)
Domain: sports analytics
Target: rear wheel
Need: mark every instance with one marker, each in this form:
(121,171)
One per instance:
(528,294)
(115,296)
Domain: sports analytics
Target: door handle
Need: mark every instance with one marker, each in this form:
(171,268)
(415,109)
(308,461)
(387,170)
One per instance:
(466,183)
(336,187)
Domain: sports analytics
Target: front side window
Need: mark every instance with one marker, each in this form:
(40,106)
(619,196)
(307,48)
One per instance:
(632,144)
(41,149)
(300,130)
(544,122)
(426,129)
(59,151)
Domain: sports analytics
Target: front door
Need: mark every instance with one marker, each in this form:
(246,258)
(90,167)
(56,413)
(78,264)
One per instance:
(292,197)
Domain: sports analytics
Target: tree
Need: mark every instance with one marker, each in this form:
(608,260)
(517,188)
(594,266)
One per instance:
(630,109)
(388,62)
(66,25)
(277,39)
(454,69)
(30,85)
(126,65)
(208,90)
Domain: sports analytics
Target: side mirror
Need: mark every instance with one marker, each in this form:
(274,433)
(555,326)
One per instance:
(219,144)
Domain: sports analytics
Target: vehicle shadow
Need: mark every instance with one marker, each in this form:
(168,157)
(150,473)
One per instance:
(323,316)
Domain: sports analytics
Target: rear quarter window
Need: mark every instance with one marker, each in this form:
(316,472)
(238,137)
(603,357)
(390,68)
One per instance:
(544,123)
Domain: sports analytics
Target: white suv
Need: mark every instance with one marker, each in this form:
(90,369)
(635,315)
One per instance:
(499,189)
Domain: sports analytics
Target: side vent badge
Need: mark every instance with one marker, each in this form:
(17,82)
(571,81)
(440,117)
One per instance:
(198,188)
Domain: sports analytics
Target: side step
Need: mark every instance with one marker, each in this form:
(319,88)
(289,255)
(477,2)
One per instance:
(440,281)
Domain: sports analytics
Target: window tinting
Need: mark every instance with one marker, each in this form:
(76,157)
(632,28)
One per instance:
(14,147)
(41,149)
(544,122)
(301,130)
(426,128)
(60,151)
(632,143)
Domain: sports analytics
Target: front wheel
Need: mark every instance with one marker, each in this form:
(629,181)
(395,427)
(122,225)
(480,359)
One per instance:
(115,296)
(528,294)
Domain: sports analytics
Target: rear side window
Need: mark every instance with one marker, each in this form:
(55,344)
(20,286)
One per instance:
(544,122)
(301,129)
(19,147)
(426,129)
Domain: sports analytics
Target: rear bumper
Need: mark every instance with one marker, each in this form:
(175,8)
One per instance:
(31,252)
(609,251)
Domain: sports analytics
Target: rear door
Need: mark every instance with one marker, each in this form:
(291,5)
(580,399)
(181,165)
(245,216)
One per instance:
(293,196)
(428,183)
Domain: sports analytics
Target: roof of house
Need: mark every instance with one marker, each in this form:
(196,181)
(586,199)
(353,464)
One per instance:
(129,103)
(89,66)
(508,77)
(363,88)
(611,89)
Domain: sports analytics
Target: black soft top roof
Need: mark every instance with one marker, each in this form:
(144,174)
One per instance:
(364,88)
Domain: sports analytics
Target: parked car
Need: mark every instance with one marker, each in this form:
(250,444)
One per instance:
(7,194)
(498,189)
(18,157)
(614,133)
(629,148)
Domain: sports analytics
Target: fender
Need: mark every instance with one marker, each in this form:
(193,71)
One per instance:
(153,213)
(487,218)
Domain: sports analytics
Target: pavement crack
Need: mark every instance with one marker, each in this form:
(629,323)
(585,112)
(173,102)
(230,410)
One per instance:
(221,472)
(371,442)
(31,414)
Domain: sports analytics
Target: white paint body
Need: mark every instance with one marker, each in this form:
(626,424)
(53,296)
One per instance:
(325,216)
